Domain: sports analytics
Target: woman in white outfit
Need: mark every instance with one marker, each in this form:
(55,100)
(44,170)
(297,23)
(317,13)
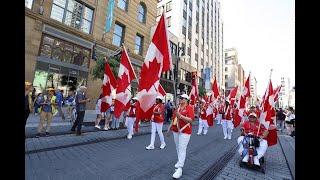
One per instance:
(227,124)
(182,128)
(131,117)
(157,123)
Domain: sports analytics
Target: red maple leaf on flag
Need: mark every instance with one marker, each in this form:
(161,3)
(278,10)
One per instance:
(125,80)
(147,83)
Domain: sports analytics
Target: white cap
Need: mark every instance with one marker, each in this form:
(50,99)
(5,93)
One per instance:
(253,114)
(202,100)
(135,98)
(159,97)
(184,96)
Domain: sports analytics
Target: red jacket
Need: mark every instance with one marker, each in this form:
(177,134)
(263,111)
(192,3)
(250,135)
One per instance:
(158,118)
(188,111)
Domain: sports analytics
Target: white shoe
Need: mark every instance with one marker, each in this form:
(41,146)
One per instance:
(176,166)
(198,134)
(106,129)
(246,158)
(97,126)
(150,147)
(178,173)
(129,136)
(256,161)
(163,146)
(229,137)
(225,137)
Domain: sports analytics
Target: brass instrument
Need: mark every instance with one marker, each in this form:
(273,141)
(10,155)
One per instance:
(175,120)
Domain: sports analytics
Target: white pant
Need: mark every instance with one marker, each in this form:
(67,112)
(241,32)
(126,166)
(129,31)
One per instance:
(129,123)
(261,150)
(156,127)
(181,140)
(203,124)
(218,118)
(227,127)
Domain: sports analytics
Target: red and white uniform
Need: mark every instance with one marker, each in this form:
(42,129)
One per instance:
(203,123)
(227,123)
(157,123)
(220,113)
(130,119)
(188,111)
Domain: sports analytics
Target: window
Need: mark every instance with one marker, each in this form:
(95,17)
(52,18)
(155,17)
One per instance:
(226,76)
(159,11)
(169,21)
(28,3)
(118,34)
(72,13)
(142,13)
(60,50)
(138,44)
(183,30)
(123,4)
(169,6)
(174,48)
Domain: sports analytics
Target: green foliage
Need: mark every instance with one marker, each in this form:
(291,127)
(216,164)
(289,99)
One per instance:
(98,71)
(202,91)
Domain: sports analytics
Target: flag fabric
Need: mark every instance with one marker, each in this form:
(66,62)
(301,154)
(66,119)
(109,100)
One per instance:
(268,115)
(232,96)
(109,84)
(210,114)
(245,94)
(276,93)
(125,76)
(161,92)
(157,60)
(194,91)
(215,89)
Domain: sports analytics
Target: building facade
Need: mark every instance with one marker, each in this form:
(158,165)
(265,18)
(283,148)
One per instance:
(253,91)
(241,77)
(60,37)
(199,28)
(231,69)
(284,92)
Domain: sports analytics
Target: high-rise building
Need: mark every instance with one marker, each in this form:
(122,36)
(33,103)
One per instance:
(199,28)
(231,69)
(60,36)
(253,90)
(284,92)
(241,75)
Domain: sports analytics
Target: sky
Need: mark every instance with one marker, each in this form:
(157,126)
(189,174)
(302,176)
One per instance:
(263,32)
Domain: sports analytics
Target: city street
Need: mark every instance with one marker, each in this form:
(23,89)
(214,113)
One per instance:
(108,155)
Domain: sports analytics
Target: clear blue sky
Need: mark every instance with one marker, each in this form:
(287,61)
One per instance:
(263,32)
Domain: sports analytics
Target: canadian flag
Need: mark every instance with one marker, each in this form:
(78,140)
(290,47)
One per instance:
(276,93)
(245,93)
(194,90)
(210,113)
(161,92)
(268,115)
(157,60)
(232,96)
(125,76)
(215,91)
(109,84)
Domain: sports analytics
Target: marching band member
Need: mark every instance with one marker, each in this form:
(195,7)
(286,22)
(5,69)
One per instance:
(157,123)
(227,124)
(182,128)
(203,123)
(131,117)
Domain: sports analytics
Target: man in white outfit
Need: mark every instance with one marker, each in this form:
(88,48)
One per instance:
(258,129)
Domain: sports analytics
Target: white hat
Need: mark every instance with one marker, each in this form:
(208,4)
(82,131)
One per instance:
(184,96)
(135,98)
(159,97)
(202,100)
(253,114)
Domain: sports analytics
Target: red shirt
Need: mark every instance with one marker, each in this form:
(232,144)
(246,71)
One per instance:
(188,111)
(203,113)
(249,128)
(228,113)
(158,118)
(132,111)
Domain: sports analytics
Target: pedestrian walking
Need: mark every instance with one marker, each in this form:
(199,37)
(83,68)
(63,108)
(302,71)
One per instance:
(81,100)
(47,111)
(36,103)
(157,123)
(27,100)
(203,123)
(59,96)
(99,113)
(181,128)
(290,120)
(131,117)
(227,124)
(115,121)
(70,103)
(281,119)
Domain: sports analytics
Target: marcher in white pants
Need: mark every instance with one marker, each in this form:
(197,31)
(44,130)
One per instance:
(131,117)
(157,123)
(203,123)
(182,128)
(256,128)
(227,124)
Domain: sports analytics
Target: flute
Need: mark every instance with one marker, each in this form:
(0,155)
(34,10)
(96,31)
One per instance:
(175,120)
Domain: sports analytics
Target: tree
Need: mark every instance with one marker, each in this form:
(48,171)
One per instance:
(202,91)
(98,71)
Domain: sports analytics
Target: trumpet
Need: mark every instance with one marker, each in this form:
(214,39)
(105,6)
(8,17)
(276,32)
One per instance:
(175,120)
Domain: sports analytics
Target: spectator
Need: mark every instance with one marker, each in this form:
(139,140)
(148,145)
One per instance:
(280,119)
(70,103)
(169,107)
(81,101)
(27,100)
(48,109)
(59,101)
(98,112)
(290,120)
(36,103)
(115,121)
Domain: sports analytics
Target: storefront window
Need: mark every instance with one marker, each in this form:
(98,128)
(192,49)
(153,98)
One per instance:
(64,51)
